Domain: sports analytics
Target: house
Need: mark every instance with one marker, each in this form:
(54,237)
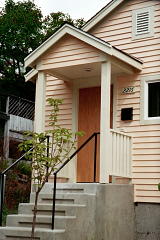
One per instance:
(116,55)
(108,74)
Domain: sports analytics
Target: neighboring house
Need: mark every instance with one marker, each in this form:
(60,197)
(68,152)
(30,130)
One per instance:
(108,74)
(16,117)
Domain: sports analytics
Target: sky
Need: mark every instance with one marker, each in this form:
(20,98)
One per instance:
(76,8)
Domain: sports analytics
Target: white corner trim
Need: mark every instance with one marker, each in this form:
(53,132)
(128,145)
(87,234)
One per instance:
(144,119)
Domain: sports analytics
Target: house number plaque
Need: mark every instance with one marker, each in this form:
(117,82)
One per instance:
(128,90)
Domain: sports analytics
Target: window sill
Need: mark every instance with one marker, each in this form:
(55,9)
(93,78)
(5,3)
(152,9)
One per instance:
(152,120)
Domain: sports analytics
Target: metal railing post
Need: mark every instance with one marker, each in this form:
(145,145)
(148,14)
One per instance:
(3,176)
(54,200)
(95,157)
(65,163)
(47,156)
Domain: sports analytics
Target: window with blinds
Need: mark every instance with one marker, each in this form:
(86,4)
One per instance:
(142,22)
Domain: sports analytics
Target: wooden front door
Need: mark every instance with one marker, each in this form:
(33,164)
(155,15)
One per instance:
(89,122)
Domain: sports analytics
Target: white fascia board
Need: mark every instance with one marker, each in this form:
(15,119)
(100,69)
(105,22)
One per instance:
(100,15)
(67,29)
(125,58)
(31,74)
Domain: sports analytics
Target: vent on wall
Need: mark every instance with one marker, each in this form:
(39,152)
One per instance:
(142,22)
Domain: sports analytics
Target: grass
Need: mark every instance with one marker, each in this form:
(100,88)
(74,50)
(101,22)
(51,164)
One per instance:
(6,211)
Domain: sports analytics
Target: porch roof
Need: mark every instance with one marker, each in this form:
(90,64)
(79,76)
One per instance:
(68,30)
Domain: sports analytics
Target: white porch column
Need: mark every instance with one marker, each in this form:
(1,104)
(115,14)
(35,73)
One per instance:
(105,122)
(40,102)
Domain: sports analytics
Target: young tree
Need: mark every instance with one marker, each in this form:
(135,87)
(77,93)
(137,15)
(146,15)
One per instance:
(61,143)
(22,29)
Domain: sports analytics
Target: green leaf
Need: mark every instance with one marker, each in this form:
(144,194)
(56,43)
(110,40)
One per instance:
(80,134)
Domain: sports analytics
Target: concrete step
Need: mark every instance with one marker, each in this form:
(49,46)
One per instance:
(71,188)
(67,198)
(22,220)
(46,209)
(42,209)
(23,233)
(62,198)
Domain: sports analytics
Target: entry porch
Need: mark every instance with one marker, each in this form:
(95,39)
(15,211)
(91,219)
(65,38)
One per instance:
(89,67)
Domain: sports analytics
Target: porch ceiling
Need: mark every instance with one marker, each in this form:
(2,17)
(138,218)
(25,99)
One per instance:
(71,73)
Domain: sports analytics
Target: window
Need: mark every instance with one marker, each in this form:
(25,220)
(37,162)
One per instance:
(154,99)
(143,22)
(150,100)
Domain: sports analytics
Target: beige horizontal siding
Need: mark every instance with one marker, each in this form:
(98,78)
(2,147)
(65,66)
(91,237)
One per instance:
(146,169)
(58,89)
(146,139)
(145,163)
(149,187)
(70,52)
(143,128)
(148,181)
(146,157)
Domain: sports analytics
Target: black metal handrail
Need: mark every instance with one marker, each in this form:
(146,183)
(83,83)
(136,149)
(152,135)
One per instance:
(65,163)
(2,181)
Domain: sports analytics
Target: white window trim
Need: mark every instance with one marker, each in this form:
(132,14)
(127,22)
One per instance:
(144,119)
(136,35)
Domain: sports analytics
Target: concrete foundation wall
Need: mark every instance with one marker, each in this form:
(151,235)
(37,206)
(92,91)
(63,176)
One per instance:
(147,221)
(114,212)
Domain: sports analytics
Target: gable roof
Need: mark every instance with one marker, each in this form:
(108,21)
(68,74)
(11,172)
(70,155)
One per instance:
(66,30)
